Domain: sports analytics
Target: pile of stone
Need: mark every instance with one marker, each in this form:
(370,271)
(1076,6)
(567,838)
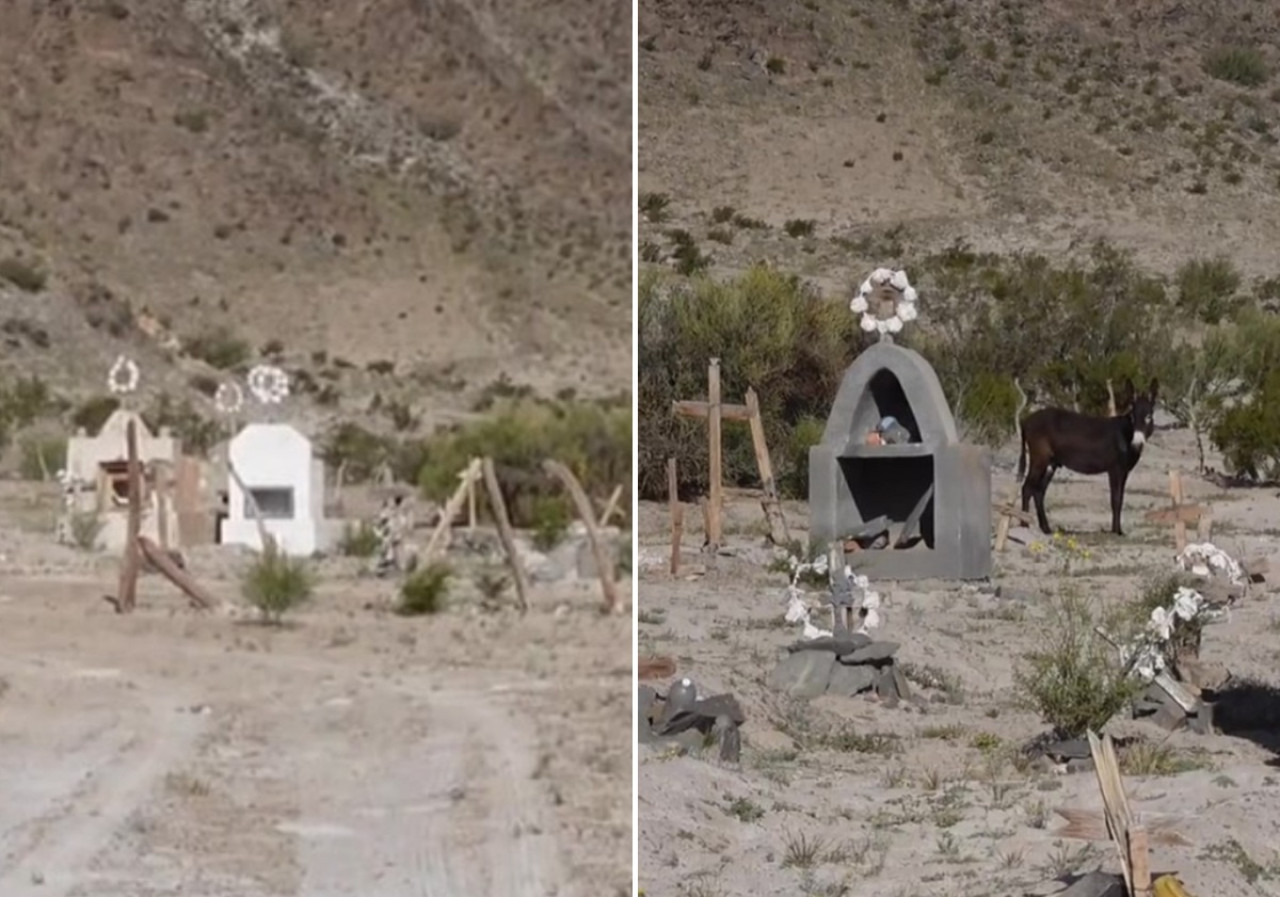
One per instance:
(847,664)
(682,719)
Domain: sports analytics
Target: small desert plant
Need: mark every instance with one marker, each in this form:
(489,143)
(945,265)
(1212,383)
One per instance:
(654,206)
(550,518)
(426,591)
(1237,65)
(23,274)
(799,227)
(85,527)
(359,541)
(275,583)
(219,348)
(1209,288)
(1074,680)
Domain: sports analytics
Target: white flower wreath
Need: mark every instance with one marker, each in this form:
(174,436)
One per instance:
(229,398)
(269,384)
(123,377)
(904,308)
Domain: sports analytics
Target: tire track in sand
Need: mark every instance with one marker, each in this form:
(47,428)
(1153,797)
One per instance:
(125,762)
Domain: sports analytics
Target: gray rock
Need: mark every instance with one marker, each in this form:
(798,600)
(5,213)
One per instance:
(646,697)
(681,697)
(1081,765)
(876,652)
(1202,722)
(730,738)
(1096,884)
(841,644)
(848,681)
(804,674)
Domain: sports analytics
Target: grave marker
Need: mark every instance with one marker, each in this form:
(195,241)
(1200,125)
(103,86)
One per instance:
(715,412)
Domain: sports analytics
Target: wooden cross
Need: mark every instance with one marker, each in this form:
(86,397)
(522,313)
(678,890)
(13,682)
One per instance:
(715,412)
(1180,515)
(1008,512)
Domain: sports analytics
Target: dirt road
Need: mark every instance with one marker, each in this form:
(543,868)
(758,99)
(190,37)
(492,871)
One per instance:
(354,754)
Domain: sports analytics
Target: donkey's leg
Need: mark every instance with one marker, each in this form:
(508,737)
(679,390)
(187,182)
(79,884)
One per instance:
(1041,487)
(1117,477)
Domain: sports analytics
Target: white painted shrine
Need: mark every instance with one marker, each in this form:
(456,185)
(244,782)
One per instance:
(278,466)
(99,464)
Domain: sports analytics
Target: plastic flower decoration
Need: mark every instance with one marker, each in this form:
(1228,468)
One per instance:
(123,377)
(269,384)
(904,308)
(229,398)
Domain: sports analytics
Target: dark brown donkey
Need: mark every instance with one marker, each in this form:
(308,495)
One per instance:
(1056,437)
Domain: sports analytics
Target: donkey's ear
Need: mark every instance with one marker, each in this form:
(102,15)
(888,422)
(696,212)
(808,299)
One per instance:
(1155,388)
(1127,391)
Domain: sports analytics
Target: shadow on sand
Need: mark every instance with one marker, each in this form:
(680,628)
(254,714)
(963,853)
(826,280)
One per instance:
(1250,710)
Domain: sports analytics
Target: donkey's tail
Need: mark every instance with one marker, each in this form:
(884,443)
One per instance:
(1023,401)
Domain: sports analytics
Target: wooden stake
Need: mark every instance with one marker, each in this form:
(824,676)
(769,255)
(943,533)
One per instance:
(677,516)
(127,592)
(471,504)
(466,491)
(1111,399)
(1009,512)
(265,538)
(604,564)
(715,535)
(715,412)
(611,507)
(1179,514)
(778,533)
(161,486)
(160,559)
(499,507)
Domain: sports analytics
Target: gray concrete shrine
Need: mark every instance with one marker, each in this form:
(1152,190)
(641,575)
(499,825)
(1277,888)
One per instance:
(920,509)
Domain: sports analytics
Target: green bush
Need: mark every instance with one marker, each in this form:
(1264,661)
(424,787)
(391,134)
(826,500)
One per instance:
(550,518)
(359,540)
(42,457)
(1237,65)
(1248,434)
(276,583)
(195,433)
(593,439)
(425,591)
(219,348)
(93,413)
(1209,288)
(1074,679)
(1246,423)
(1061,331)
(770,331)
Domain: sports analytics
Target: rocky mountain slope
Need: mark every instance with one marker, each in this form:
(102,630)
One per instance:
(830,137)
(438,190)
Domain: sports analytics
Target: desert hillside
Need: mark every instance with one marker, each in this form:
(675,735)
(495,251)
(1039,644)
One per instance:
(402,202)
(832,136)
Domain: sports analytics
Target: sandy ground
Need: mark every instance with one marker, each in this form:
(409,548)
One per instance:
(843,796)
(352,753)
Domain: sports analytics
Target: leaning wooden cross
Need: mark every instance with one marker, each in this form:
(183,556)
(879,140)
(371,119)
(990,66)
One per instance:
(1118,823)
(1008,512)
(1180,515)
(715,411)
